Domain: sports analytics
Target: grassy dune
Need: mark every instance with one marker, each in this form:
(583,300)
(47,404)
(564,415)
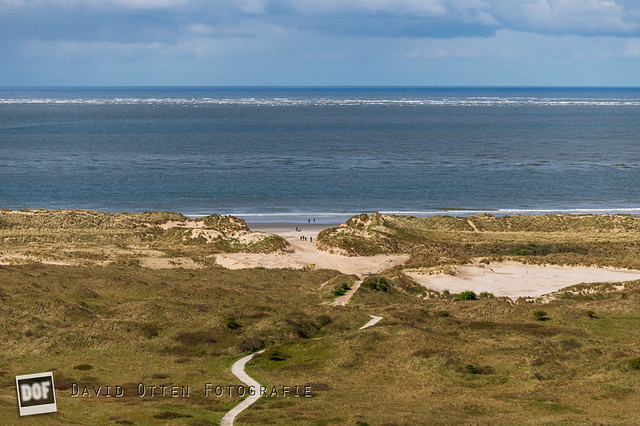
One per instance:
(559,239)
(466,362)
(114,325)
(430,360)
(89,237)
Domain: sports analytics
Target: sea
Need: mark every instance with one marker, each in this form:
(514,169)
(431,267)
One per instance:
(283,154)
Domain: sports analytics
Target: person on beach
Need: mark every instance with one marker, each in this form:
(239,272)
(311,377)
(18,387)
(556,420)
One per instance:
(311,239)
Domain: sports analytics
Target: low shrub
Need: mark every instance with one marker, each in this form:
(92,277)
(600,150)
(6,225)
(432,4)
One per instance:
(540,316)
(341,289)
(376,284)
(276,355)
(467,295)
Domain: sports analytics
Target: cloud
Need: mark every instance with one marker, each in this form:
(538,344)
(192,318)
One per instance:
(399,18)
(583,17)
(97,4)
(321,42)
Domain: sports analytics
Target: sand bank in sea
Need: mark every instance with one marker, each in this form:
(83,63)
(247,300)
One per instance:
(514,280)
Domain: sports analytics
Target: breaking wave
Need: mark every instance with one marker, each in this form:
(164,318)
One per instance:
(286,101)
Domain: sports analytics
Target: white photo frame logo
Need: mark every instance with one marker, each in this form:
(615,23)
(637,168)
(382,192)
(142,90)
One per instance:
(36,394)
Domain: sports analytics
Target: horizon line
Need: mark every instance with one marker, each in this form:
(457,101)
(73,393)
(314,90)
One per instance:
(315,87)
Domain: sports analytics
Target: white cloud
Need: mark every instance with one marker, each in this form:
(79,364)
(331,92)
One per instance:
(241,29)
(253,7)
(402,7)
(566,16)
(633,48)
(99,4)
(67,49)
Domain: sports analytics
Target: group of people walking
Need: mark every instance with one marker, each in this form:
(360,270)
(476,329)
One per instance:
(302,237)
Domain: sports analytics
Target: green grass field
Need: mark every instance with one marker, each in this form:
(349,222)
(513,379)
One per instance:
(430,360)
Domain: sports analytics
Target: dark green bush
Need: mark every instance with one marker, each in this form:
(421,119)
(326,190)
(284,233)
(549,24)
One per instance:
(276,355)
(376,283)
(342,289)
(467,295)
(540,316)
(635,363)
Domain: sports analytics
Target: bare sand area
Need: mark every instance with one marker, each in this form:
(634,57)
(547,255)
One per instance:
(515,280)
(304,253)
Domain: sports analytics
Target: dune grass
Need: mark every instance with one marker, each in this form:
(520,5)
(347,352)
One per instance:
(89,237)
(444,359)
(558,239)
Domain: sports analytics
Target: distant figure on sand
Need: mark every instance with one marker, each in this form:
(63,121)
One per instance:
(309,220)
(311,239)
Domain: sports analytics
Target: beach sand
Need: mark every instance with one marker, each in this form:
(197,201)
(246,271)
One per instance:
(510,279)
(304,253)
(514,280)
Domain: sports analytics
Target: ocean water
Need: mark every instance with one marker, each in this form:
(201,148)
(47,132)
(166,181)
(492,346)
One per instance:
(295,153)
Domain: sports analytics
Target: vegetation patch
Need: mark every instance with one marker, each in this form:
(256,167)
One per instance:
(540,315)
(467,295)
(376,283)
(445,240)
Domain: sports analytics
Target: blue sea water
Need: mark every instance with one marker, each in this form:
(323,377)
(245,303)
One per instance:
(283,153)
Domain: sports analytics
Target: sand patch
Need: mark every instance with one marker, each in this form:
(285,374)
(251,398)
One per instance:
(515,280)
(168,263)
(177,224)
(304,253)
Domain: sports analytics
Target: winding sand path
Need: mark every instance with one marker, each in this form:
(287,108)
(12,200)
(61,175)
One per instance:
(238,370)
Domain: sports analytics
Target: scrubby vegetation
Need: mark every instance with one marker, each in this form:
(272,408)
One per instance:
(558,238)
(89,237)
(440,360)
(467,295)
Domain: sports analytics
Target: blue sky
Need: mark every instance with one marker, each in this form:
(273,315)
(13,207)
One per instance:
(320,42)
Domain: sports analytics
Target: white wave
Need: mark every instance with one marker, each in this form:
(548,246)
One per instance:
(284,101)
(304,216)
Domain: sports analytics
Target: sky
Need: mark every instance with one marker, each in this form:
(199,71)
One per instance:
(320,42)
